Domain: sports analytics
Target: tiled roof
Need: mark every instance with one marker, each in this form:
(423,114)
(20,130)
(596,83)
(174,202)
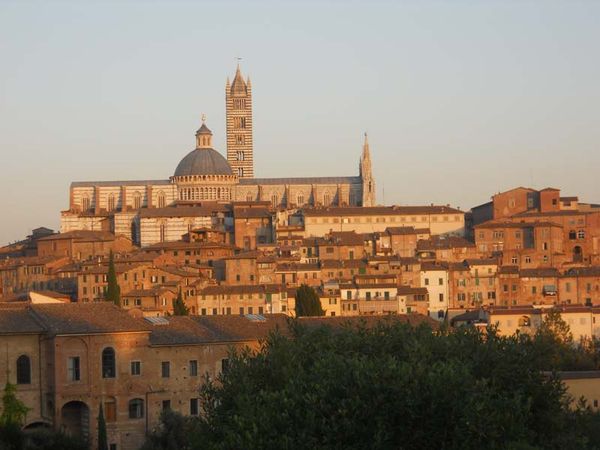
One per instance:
(18,320)
(406,230)
(241,289)
(301,180)
(379,211)
(85,318)
(81,236)
(512,224)
(180,211)
(443,243)
(538,273)
(119,183)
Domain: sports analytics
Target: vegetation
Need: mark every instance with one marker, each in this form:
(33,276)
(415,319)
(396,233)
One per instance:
(12,437)
(308,302)
(175,432)
(14,411)
(102,437)
(113,291)
(389,386)
(179,307)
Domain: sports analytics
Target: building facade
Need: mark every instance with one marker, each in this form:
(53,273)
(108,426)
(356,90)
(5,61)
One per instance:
(204,175)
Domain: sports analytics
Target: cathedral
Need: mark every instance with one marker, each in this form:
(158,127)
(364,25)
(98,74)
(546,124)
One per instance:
(205,176)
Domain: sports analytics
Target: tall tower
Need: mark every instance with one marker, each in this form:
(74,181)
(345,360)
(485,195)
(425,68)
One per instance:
(238,99)
(366,175)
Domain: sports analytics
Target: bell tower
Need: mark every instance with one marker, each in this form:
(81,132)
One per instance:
(238,102)
(366,175)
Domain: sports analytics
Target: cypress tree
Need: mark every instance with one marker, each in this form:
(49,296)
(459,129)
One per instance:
(113,291)
(179,308)
(308,302)
(102,437)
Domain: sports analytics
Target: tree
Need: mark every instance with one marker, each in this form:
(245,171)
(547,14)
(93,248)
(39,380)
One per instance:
(308,302)
(14,411)
(175,432)
(555,326)
(179,307)
(102,437)
(388,386)
(113,291)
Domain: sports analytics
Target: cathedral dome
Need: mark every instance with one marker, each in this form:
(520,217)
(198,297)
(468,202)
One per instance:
(203,161)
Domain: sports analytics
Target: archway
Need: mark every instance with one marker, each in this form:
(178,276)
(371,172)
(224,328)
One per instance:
(75,419)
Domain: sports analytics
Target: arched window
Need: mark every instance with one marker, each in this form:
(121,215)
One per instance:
(136,408)
(326,199)
(163,232)
(137,200)
(23,370)
(274,200)
(240,156)
(300,200)
(109,368)
(240,171)
(111,202)
(161,200)
(524,321)
(249,197)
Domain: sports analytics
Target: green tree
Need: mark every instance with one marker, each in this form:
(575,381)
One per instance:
(308,302)
(102,437)
(14,411)
(113,291)
(389,386)
(179,307)
(555,326)
(174,432)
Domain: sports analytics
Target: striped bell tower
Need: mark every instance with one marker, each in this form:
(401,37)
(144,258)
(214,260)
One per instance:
(238,99)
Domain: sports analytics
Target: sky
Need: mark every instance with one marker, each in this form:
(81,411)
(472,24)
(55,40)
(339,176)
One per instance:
(461,99)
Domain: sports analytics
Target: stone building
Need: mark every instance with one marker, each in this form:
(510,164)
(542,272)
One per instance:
(121,207)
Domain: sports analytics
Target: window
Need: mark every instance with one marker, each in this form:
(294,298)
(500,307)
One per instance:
(73,368)
(23,370)
(165,369)
(136,367)
(166,405)
(110,410)
(300,200)
(581,234)
(440,281)
(137,200)
(108,363)
(136,408)
(193,368)
(193,406)
(426,281)
(528,259)
(111,202)
(513,260)
(572,235)
(161,200)
(240,156)
(224,365)
(441,296)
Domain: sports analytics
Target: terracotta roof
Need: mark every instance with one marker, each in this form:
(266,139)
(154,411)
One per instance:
(343,263)
(241,289)
(85,318)
(408,290)
(81,236)
(443,243)
(508,270)
(539,273)
(18,320)
(512,224)
(119,183)
(210,329)
(180,211)
(379,211)
(300,180)
(406,230)
(249,213)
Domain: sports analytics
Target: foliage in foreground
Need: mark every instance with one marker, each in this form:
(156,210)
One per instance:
(391,386)
(308,302)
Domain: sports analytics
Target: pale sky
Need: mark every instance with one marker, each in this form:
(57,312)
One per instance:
(461,99)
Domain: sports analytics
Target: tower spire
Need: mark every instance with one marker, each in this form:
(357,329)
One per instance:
(366,175)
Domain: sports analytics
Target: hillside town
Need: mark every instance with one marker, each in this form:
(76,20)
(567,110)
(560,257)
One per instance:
(236,250)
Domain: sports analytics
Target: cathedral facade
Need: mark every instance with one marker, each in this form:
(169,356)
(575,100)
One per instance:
(205,176)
